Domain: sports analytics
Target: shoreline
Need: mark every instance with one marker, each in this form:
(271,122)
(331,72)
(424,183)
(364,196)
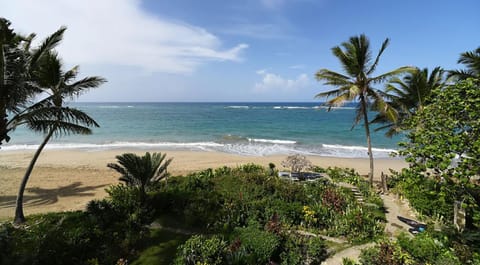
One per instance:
(68,179)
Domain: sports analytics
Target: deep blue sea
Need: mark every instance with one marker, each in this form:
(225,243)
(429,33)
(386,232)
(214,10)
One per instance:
(239,128)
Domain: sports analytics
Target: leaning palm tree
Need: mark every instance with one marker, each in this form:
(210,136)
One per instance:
(408,95)
(356,84)
(141,171)
(50,115)
(471,60)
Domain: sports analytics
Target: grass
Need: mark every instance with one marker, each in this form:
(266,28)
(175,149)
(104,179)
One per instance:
(160,247)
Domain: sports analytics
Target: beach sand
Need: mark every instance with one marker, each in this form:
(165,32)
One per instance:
(68,179)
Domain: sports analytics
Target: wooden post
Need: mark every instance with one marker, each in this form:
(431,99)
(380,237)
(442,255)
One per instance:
(384,183)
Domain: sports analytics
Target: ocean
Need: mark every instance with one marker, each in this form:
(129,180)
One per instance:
(255,129)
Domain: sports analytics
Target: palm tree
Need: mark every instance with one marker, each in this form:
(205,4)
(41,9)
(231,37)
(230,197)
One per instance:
(13,70)
(471,60)
(17,63)
(50,115)
(356,84)
(141,171)
(409,95)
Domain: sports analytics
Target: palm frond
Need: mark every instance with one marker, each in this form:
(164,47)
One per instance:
(332,78)
(59,127)
(71,74)
(383,106)
(338,101)
(81,86)
(141,171)
(47,45)
(377,59)
(358,115)
(346,59)
(393,73)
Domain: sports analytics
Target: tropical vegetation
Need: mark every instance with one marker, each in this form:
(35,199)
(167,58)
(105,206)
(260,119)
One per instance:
(471,59)
(247,214)
(358,83)
(141,172)
(408,95)
(239,215)
(50,115)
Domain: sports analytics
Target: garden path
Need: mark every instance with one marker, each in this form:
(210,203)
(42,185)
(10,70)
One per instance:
(394,207)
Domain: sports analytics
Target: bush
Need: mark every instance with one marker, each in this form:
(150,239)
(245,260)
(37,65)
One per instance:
(58,238)
(201,249)
(299,249)
(260,245)
(386,253)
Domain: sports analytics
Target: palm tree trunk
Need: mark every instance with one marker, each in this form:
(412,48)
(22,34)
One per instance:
(19,216)
(369,140)
(3,103)
(3,119)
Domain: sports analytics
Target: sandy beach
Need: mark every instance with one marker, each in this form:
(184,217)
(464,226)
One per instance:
(68,179)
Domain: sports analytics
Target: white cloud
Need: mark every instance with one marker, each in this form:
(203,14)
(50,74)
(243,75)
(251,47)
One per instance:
(119,32)
(274,82)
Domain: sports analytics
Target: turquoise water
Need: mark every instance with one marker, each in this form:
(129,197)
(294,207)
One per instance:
(241,128)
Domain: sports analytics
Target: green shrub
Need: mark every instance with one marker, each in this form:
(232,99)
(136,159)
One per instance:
(223,171)
(260,245)
(58,238)
(251,168)
(349,261)
(298,249)
(347,175)
(200,249)
(316,250)
(422,247)
(385,253)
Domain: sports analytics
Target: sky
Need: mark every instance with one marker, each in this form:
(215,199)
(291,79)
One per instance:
(239,50)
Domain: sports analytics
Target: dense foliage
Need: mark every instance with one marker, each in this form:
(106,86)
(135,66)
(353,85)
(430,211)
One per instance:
(241,215)
(444,154)
(261,218)
(432,247)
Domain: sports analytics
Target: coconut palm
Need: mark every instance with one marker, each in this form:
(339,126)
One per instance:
(408,95)
(471,60)
(141,171)
(17,63)
(13,72)
(356,84)
(50,115)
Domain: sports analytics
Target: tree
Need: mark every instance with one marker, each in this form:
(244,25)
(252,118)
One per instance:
(356,84)
(49,115)
(444,143)
(471,60)
(17,63)
(13,80)
(297,163)
(407,96)
(141,172)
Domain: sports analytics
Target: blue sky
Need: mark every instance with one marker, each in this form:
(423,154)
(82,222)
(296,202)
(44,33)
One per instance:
(251,50)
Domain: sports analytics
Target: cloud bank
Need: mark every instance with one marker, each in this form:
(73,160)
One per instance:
(119,32)
(274,82)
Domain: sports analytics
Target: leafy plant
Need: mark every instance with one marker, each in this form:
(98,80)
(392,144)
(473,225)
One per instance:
(142,172)
(201,249)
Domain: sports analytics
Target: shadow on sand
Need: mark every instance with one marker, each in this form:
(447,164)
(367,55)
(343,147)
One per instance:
(40,196)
